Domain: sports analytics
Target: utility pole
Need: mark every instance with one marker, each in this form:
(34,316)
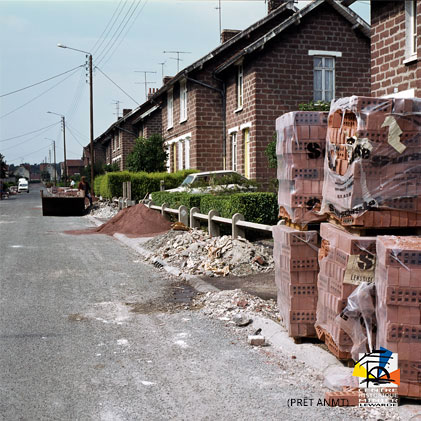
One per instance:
(55,164)
(91,122)
(178,56)
(63,121)
(145,82)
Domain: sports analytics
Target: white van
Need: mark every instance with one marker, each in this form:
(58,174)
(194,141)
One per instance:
(23,185)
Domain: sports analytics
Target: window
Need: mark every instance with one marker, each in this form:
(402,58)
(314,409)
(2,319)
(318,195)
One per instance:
(234,151)
(410,29)
(119,140)
(187,154)
(240,83)
(324,78)
(183,101)
(246,135)
(174,156)
(180,155)
(170,109)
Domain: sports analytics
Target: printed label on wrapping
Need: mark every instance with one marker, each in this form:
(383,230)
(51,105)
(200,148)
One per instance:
(360,268)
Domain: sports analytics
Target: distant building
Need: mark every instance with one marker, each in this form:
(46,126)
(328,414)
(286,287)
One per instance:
(74,167)
(23,171)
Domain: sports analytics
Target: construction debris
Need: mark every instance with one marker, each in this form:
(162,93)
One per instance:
(256,340)
(198,253)
(104,210)
(235,305)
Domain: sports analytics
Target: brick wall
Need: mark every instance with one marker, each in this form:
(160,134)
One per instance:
(279,78)
(152,124)
(388,50)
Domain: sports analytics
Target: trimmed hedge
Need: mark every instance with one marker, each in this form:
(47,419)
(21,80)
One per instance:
(259,207)
(110,184)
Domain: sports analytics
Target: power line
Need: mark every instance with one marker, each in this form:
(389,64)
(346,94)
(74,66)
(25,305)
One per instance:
(96,47)
(30,153)
(121,89)
(73,135)
(26,134)
(113,38)
(38,96)
(78,132)
(39,83)
(117,46)
(27,140)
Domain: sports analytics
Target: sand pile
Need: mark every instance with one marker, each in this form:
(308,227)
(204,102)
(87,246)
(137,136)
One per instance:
(136,221)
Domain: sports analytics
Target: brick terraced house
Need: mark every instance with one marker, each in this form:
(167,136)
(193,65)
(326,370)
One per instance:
(220,112)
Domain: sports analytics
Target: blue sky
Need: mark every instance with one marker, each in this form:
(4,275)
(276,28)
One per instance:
(31,30)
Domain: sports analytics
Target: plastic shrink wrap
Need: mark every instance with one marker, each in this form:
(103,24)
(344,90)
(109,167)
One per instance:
(398,285)
(345,261)
(300,149)
(295,254)
(373,162)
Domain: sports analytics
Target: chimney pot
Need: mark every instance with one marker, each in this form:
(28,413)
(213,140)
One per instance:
(227,34)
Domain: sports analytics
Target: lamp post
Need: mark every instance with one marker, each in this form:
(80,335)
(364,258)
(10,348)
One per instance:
(55,163)
(91,111)
(63,122)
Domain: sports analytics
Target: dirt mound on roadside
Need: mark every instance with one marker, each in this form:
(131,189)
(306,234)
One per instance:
(136,221)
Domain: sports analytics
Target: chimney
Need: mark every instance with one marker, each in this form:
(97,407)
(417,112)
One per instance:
(166,79)
(227,34)
(126,111)
(274,4)
(152,92)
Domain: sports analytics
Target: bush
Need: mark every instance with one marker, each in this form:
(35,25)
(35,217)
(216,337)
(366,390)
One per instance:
(111,184)
(261,208)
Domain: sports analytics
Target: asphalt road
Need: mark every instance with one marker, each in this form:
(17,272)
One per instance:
(72,349)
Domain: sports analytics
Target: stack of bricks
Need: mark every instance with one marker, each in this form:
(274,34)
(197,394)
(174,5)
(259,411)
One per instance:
(345,261)
(300,148)
(373,165)
(295,254)
(398,285)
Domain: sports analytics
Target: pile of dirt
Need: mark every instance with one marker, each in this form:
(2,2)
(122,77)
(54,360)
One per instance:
(136,221)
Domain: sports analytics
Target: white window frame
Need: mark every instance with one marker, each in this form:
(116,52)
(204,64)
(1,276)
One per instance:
(119,140)
(240,87)
(183,101)
(180,155)
(324,70)
(187,153)
(410,31)
(234,151)
(170,109)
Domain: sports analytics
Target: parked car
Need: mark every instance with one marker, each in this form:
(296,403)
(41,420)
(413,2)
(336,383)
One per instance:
(23,185)
(214,181)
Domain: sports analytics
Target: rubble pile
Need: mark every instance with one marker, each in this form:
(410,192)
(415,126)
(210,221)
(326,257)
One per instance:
(104,210)
(235,305)
(199,254)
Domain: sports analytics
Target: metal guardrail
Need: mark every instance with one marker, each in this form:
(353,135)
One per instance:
(194,217)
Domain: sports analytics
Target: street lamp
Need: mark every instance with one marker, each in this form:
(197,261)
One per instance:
(91,111)
(55,163)
(63,122)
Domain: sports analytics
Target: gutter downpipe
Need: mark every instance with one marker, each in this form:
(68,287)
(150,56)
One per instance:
(222,92)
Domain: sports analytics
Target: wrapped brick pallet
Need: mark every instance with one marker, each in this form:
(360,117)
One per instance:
(345,261)
(296,268)
(373,162)
(300,148)
(398,285)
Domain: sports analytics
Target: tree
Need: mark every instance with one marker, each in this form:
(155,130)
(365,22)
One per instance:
(148,155)
(3,167)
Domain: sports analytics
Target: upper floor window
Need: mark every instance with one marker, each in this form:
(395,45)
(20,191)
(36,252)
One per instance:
(324,78)
(240,86)
(170,110)
(183,101)
(410,28)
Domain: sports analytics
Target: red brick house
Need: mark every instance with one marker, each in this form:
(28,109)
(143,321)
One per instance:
(320,53)
(114,145)
(74,166)
(219,113)
(396,48)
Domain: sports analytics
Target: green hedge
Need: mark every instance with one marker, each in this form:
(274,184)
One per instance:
(111,184)
(256,207)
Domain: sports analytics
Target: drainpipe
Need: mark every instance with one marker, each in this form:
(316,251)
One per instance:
(222,92)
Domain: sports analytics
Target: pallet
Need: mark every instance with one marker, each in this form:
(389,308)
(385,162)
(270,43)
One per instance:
(362,231)
(311,226)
